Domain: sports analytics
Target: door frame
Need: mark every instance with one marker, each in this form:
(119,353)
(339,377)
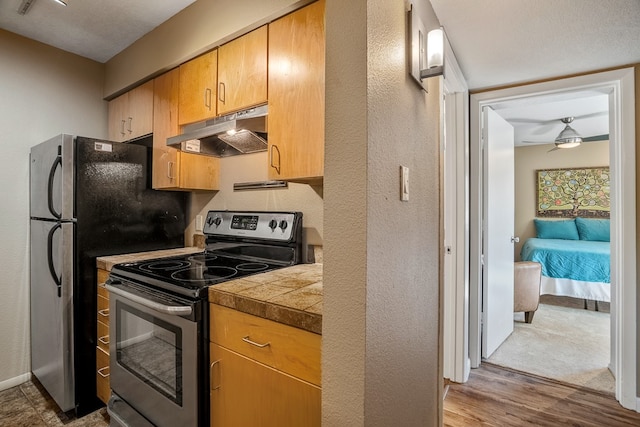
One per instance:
(454,134)
(619,85)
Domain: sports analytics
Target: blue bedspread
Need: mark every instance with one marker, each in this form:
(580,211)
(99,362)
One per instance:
(570,259)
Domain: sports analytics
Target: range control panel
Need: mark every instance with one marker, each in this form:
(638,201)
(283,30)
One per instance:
(279,226)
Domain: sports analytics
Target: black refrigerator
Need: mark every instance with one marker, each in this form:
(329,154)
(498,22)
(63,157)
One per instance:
(88,198)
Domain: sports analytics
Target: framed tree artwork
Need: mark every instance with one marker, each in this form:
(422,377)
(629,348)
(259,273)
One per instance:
(573,192)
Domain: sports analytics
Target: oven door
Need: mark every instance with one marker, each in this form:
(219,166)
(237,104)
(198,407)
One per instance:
(153,355)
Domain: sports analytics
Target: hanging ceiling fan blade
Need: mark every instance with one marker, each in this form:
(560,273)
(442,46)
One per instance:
(553,149)
(537,142)
(596,138)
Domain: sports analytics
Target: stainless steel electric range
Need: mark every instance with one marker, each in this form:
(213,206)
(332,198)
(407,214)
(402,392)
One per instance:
(159,322)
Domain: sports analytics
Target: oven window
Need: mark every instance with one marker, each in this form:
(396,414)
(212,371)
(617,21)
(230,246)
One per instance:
(151,349)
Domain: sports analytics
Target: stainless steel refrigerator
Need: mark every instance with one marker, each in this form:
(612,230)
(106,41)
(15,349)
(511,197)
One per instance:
(88,198)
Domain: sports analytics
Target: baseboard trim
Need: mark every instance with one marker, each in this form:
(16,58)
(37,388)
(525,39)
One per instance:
(12,382)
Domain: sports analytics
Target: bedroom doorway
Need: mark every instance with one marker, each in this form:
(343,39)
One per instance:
(618,86)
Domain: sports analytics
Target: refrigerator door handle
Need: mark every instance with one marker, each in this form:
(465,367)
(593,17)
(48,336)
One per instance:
(52,173)
(52,268)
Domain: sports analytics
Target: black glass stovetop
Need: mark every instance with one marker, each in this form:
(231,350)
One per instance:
(190,275)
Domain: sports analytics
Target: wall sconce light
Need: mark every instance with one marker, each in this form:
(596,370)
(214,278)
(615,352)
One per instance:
(62,2)
(426,50)
(435,54)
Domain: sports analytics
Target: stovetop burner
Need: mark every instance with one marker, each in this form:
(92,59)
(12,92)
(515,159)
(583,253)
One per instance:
(239,244)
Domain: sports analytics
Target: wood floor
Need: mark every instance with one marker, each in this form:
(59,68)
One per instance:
(495,396)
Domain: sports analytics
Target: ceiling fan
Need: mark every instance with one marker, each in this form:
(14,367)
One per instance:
(569,138)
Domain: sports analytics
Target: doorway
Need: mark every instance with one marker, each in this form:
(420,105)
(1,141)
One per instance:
(619,86)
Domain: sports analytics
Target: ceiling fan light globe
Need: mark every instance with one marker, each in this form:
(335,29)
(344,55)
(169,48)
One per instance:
(570,144)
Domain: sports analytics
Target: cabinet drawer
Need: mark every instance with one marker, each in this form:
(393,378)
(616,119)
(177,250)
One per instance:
(103,310)
(103,336)
(103,386)
(282,347)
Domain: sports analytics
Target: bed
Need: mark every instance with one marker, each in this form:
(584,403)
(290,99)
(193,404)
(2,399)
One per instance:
(575,257)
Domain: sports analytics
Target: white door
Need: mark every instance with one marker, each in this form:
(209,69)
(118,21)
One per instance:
(498,226)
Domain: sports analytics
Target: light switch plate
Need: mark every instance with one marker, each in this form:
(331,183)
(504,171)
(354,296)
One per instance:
(404,183)
(199,223)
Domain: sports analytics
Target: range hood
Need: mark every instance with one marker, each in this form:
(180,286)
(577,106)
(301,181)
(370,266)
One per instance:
(242,132)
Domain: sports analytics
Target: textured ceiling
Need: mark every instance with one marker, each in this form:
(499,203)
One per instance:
(504,42)
(499,42)
(95,29)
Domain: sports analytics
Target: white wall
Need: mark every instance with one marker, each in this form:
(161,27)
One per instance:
(380,342)
(529,159)
(44,92)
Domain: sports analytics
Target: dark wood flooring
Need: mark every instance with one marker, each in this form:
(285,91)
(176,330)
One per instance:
(495,396)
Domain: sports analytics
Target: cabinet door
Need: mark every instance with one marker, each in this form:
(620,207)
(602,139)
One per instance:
(296,95)
(199,172)
(198,82)
(242,72)
(165,124)
(247,393)
(173,169)
(117,123)
(139,120)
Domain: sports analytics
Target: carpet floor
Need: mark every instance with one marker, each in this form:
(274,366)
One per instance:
(562,343)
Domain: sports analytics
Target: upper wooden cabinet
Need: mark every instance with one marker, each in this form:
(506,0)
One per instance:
(198,82)
(242,72)
(172,169)
(131,114)
(296,95)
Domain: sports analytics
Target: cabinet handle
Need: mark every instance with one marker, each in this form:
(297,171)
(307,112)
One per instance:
(207,98)
(277,168)
(211,376)
(221,92)
(130,120)
(104,340)
(122,132)
(104,312)
(102,370)
(170,170)
(247,340)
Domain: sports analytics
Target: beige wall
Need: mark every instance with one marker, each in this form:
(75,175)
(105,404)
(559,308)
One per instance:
(530,159)
(44,92)
(201,26)
(251,168)
(381,291)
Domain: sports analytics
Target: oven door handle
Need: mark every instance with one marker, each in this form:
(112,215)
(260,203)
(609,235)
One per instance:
(173,310)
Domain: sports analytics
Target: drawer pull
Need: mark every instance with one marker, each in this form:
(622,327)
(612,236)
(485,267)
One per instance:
(211,376)
(104,340)
(102,370)
(247,340)
(104,312)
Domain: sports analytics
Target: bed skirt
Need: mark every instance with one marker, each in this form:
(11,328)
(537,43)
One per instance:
(597,291)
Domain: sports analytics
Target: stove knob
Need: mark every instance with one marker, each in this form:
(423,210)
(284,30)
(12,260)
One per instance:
(273,224)
(217,220)
(209,220)
(283,225)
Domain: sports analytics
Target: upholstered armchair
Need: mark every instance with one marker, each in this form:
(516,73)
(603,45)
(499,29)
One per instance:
(526,293)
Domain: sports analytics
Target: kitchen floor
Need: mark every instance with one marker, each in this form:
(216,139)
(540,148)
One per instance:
(29,405)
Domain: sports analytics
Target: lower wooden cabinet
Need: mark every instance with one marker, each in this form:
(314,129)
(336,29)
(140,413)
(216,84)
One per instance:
(262,373)
(247,393)
(103,385)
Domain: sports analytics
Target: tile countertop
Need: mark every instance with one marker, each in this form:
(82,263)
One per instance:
(291,295)
(107,262)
